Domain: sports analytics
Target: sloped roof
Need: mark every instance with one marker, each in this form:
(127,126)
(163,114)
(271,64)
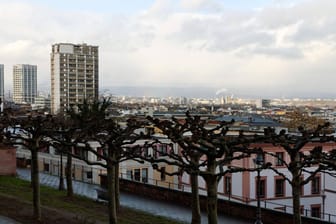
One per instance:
(251,120)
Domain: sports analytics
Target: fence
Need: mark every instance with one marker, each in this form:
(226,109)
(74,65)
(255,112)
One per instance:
(51,164)
(304,212)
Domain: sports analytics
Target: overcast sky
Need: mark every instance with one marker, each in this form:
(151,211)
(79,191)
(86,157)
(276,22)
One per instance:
(261,46)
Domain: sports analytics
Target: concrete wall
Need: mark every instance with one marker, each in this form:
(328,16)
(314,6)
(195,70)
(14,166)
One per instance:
(7,160)
(224,207)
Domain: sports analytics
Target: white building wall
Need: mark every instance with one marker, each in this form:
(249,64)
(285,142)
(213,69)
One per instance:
(237,180)
(56,91)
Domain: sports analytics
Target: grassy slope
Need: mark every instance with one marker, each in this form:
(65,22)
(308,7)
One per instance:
(85,209)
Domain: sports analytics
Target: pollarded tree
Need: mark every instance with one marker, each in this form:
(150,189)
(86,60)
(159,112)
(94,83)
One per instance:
(115,143)
(62,135)
(206,152)
(304,159)
(30,132)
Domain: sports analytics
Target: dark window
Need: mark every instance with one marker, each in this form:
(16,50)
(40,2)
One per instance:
(137,174)
(262,188)
(163,173)
(46,167)
(316,211)
(89,175)
(100,153)
(302,186)
(146,152)
(81,152)
(302,210)
(162,149)
(279,158)
(227,185)
(144,175)
(315,185)
(279,187)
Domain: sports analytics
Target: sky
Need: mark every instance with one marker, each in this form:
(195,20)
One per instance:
(260,47)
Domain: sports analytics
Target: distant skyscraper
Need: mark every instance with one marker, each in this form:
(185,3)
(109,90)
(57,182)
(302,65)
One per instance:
(2,91)
(24,83)
(74,75)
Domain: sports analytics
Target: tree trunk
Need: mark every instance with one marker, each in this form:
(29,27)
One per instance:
(212,199)
(68,174)
(296,191)
(195,203)
(112,208)
(211,181)
(61,180)
(35,184)
(117,188)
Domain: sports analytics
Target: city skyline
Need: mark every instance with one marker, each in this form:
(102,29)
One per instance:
(277,48)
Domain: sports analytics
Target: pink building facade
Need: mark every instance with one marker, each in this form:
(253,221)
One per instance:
(7,160)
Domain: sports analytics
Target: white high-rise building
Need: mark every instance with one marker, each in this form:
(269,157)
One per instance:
(74,75)
(24,83)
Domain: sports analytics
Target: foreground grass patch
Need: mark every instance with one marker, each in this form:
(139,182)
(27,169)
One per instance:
(85,209)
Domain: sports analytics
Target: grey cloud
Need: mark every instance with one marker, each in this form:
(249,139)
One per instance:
(221,35)
(202,5)
(260,30)
(316,20)
(315,30)
(283,52)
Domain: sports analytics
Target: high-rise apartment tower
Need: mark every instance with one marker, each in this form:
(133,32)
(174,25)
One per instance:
(2,90)
(74,75)
(24,83)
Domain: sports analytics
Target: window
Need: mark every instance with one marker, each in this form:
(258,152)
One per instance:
(163,173)
(279,187)
(227,184)
(144,175)
(279,158)
(89,175)
(146,152)
(162,149)
(137,174)
(316,211)
(315,187)
(262,187)
(81,152)
(100,153)
(46,167)
(302,210)
(129,174)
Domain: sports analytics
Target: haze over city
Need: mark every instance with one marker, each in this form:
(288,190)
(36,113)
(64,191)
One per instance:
(253,48)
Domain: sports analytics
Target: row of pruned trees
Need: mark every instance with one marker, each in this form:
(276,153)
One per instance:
(204,152)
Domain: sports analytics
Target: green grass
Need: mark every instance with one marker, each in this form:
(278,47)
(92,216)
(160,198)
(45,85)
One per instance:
(84,208)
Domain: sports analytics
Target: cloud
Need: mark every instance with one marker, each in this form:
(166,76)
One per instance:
(283,52)
(201,5)
(183,43)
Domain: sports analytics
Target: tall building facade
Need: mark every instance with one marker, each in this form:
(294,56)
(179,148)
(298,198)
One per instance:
(74,75)
(2,90)
(24,83)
